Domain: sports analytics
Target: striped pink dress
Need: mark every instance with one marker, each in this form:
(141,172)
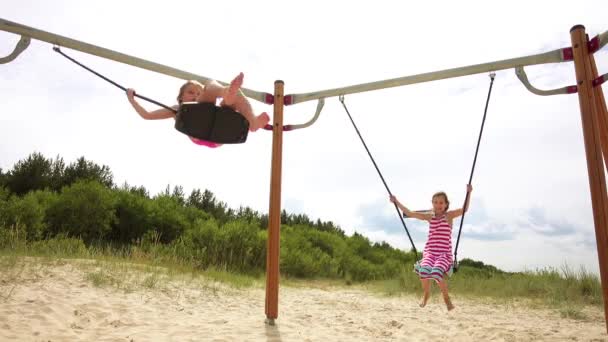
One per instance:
(437,255)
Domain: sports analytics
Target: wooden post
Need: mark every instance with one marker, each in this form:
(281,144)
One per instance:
(274,213)
(595,165)
(600,105)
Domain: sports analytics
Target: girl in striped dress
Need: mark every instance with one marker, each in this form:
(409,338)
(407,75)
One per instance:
(437,259)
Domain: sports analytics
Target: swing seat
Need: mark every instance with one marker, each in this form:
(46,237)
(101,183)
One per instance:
(206,121)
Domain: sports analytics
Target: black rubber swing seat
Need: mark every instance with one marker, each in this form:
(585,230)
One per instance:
(206,121)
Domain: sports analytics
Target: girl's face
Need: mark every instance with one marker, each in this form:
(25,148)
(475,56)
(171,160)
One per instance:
(191,93)
(439,204)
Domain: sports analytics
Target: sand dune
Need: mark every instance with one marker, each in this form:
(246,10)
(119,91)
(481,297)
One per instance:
(61,303)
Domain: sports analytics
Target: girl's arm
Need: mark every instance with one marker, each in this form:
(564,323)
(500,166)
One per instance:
(458,212)
(409,213)
(154,115)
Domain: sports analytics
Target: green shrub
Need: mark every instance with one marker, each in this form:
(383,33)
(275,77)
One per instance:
(133,217)
(29,212)
(84,209)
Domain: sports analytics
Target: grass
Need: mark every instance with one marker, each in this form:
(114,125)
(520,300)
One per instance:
(132,268)
(102,278)
(575,313)
(10,270)
(566,290)
(124,274)
(127,269)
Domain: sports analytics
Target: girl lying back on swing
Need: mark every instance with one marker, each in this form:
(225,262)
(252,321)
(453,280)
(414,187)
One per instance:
(193,91)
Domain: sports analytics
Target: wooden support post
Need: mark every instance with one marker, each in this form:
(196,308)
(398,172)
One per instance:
(595,165)
(274,214)
(600,105)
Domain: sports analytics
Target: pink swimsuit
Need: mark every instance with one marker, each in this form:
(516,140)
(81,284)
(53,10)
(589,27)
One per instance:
(205,143)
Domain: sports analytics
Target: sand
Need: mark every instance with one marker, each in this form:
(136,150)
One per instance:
(61,302)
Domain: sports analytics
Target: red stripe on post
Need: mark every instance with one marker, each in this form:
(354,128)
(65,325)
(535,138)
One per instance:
(567,54)
(269,99)
(286,128)
(288,100)
(594,44)
(572,89)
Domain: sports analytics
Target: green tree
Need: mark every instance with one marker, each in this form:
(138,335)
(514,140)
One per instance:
(57,173)
(83,169)
(248,215)
(33,173)
(178,195)
(136,190)
(84,209)
(3,178)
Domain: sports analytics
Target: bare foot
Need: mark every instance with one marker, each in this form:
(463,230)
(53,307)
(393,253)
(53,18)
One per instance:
(233,90)
(448,304)
(425,299)
(260,121)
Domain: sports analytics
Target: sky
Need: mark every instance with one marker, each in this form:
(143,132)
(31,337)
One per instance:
(530,206)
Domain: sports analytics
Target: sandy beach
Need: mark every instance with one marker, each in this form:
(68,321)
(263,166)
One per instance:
(61,302)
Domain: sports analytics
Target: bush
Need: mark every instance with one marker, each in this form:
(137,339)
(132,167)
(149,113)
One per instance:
(300,258)
(4,200)
(133,217)
(200,243)
(168,218)
(241,247)
(29,212)
(237,246)
(358,269)
(84,209)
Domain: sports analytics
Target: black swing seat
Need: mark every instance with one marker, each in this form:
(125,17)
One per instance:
(206,121)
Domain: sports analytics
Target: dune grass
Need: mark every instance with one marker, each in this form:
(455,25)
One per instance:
(567,290)
(129,268)
(126,268)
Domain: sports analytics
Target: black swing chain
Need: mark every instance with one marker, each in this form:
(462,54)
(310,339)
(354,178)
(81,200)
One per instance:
(58,50)
(341,98)
(483,121)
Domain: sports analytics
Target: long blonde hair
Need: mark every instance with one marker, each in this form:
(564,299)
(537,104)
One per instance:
(183,87)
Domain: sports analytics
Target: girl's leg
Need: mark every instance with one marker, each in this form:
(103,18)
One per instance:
(443,285)
(231,93)
(211,92)
(232,97)
(426,288)
(243,106)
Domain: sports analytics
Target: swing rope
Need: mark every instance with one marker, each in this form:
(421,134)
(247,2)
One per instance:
(483,121)
(341,97)
(58,50)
